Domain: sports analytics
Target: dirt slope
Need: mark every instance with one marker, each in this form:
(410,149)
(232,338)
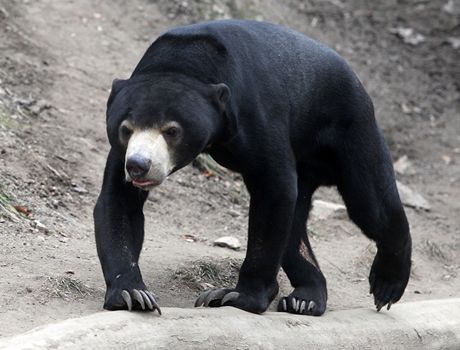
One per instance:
(57,61)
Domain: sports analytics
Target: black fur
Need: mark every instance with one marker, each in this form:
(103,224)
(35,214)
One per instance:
(288,114)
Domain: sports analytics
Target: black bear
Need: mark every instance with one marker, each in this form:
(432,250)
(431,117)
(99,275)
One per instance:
(287,113)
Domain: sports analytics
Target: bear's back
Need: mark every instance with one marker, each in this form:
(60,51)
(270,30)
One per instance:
(212,50)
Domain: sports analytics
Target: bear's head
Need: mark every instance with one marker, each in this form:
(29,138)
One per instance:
(160,123)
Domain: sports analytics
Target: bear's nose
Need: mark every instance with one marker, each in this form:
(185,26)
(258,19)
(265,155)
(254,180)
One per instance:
(137,166)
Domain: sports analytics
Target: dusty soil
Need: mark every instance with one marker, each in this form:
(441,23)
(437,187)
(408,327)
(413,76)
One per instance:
(57,61)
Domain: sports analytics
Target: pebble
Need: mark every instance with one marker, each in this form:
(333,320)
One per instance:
(228,242)
(324,210)
(234,213)
(410,198)
(41,227)
(408,35)
(404,166)
(79,189)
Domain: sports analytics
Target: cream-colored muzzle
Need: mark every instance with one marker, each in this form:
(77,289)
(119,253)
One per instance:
(150,144)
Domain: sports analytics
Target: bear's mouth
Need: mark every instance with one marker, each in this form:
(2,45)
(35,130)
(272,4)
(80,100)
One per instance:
(145,184)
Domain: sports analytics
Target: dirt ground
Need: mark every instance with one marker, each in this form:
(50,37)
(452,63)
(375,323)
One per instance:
(57,61)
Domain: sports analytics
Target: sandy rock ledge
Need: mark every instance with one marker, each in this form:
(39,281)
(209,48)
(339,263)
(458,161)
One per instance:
(419,325)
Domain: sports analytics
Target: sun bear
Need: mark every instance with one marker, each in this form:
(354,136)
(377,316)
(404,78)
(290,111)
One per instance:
(284,111)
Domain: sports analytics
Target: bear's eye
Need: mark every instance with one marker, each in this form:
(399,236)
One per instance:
(172,131)
(125,132)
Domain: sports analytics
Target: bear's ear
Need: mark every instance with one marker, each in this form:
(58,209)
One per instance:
(117,85)
(220,94)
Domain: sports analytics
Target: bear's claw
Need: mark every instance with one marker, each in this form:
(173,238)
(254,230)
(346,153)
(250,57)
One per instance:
(207,297)
(127,298)
(298,306)
(389,276)
(229,297)
(244,300)
(145,299)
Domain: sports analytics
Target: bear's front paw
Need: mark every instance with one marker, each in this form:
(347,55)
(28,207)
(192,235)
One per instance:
(389,277)
(131,299)
(252,302)
(128,291)
(308,300)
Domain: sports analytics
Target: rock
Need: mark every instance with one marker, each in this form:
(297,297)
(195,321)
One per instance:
(447,159)
(189,238)
(79,190)
(234,213)
(431,324)
(452,7)
(41,227)
(323,210)
(206,286)
(411,198)
(228,242)
(25,102)
(454,42)
(405,108)
(408,35)
(39,107)
(404,166)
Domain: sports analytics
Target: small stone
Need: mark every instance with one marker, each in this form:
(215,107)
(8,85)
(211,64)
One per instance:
(189,238)
(411,198)
(29,290)
(39,107)
(79,189)
(234,213)
(447,160)
(228,242)
(452,7)
(324,210)
(404,166)
(408,35)
(206,286)
(454,42)
(406,109)
(40,226)
(26,102)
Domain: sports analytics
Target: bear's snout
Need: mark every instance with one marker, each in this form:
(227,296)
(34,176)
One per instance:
(147,161)
(137,167)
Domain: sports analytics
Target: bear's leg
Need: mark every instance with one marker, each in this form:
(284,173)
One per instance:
(119,227)
(310,293)
(368,187)
(273,196)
